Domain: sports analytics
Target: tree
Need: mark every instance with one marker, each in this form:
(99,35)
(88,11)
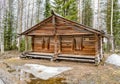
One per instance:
(47,12)
(80,11)
(28,15)
(66,8)
(32,13)
(108,16)
(2,12)
(98,17)
(115,24)
(8,26)
(111,27)
(20,4)
(38,3)
(87,13)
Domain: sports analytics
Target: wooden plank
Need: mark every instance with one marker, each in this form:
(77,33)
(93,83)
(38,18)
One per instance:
(96,43)
(60,44)
(42,34)
(75,59)
(26,43)
(37,25)
(76,24)
(37,53)
(101,47)
(42,30)
(81,56)
(49,24)
(55,38)
(70,33)
(39,56)
(32,43)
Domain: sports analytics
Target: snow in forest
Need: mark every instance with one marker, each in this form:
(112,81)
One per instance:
(44,72)
(114,59)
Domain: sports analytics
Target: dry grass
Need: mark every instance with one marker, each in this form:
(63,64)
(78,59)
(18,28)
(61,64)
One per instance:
(82,73)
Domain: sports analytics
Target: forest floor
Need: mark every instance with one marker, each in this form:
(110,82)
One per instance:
(81,73)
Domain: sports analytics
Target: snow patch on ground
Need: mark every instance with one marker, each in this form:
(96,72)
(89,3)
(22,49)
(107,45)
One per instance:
(43,72)
(114,59)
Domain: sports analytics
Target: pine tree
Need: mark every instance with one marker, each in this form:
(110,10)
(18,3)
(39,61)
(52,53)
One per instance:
(108,17)
(8,26)
(116,23)
(87,13)
(66,8)
(47,12)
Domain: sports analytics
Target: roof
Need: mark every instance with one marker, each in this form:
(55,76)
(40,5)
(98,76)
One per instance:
(69,21)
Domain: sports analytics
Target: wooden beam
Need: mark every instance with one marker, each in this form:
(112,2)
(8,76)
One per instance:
(60,45)
(81,42)
(55,39)
(96,44)
(55,48)
(73,46)
(32,43)
(26,43)
(101,47)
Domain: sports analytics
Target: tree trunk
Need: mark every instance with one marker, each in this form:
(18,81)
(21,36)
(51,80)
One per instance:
(98,16)
(28,14)
(2,29)
(80,11)
(32,14)
(20,21)
(112,38)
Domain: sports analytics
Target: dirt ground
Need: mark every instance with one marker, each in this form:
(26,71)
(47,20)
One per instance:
(81,73)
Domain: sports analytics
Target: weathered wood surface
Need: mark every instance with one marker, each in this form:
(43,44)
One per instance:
(71,57)
(60,28)
(58,35)
(66,44)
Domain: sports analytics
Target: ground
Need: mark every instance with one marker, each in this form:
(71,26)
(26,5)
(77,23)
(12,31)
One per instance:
(81,73)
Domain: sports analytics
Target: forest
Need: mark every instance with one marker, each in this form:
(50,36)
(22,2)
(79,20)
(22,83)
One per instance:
(59,41)
(17,16)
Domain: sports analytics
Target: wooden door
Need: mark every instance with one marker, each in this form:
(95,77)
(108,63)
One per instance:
(78,43)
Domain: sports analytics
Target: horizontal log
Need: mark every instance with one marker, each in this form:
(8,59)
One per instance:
(48,24)
(42,34)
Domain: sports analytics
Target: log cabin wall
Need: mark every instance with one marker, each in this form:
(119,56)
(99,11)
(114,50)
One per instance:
(72,44)
(78,45)
(43,44)
(59,35)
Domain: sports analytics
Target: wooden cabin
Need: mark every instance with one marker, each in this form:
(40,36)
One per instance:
(59,38)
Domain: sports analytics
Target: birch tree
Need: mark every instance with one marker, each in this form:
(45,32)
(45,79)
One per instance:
(111,27)
(32,13)
(98,17)
(38,3)
(2,10)
(80,11)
